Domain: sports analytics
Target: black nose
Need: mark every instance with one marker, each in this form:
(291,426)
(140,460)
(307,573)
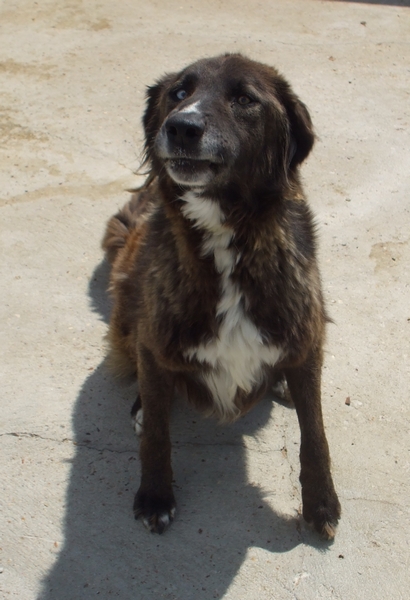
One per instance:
(185,130)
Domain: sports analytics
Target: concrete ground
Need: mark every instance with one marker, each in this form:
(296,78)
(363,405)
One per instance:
(72,83)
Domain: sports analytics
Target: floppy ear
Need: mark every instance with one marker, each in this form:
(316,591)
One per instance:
(153,115)
(302,136)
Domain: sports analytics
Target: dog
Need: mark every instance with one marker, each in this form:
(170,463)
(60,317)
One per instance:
(215,283)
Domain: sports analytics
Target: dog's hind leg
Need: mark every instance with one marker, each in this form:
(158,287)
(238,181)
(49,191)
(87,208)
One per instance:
(320,502)
(154,501)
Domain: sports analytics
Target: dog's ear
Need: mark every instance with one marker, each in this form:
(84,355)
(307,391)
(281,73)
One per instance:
(302,136)
(153,115)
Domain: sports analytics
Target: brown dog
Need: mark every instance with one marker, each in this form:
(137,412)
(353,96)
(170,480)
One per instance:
(216,286)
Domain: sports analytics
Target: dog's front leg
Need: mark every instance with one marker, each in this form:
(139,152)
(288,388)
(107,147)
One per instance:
(154,501)
(320,502)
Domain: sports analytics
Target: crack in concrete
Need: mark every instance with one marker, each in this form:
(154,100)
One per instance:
(216,444)
(291,467)
(378,501)
(176,445)
(24,434)
(242,445)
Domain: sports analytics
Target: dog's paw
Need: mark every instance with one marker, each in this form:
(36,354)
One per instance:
(281,391)
(137,416)
(157,513)
(322,512)
(137,421)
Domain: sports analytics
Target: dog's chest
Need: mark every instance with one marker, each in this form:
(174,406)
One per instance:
(237,354)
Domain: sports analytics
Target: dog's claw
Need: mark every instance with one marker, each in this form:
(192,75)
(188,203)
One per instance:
(157,523)
(329,530)
(324,517)
(156,514)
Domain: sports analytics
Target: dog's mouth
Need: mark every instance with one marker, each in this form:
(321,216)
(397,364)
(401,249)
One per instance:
(191,172)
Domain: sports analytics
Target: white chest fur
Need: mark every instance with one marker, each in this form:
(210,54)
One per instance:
(237,354)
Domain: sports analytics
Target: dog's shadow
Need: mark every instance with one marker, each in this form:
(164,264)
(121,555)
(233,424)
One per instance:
(220,513)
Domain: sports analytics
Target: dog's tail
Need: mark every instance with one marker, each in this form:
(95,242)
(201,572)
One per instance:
(120,225)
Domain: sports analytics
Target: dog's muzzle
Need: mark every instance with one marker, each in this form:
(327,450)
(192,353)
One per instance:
(183,143)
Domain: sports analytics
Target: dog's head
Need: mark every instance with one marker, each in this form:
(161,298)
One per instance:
(224,119)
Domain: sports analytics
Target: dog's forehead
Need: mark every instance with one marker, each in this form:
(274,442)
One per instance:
(229,71)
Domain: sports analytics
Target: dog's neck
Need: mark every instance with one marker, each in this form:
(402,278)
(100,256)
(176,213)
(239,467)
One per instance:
(204,212)
(206,215)
(209,221)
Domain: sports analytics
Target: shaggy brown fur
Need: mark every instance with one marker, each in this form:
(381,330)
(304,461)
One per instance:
(219,248)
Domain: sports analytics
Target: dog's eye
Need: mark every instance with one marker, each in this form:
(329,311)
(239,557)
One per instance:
(243,100)
(181,94)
